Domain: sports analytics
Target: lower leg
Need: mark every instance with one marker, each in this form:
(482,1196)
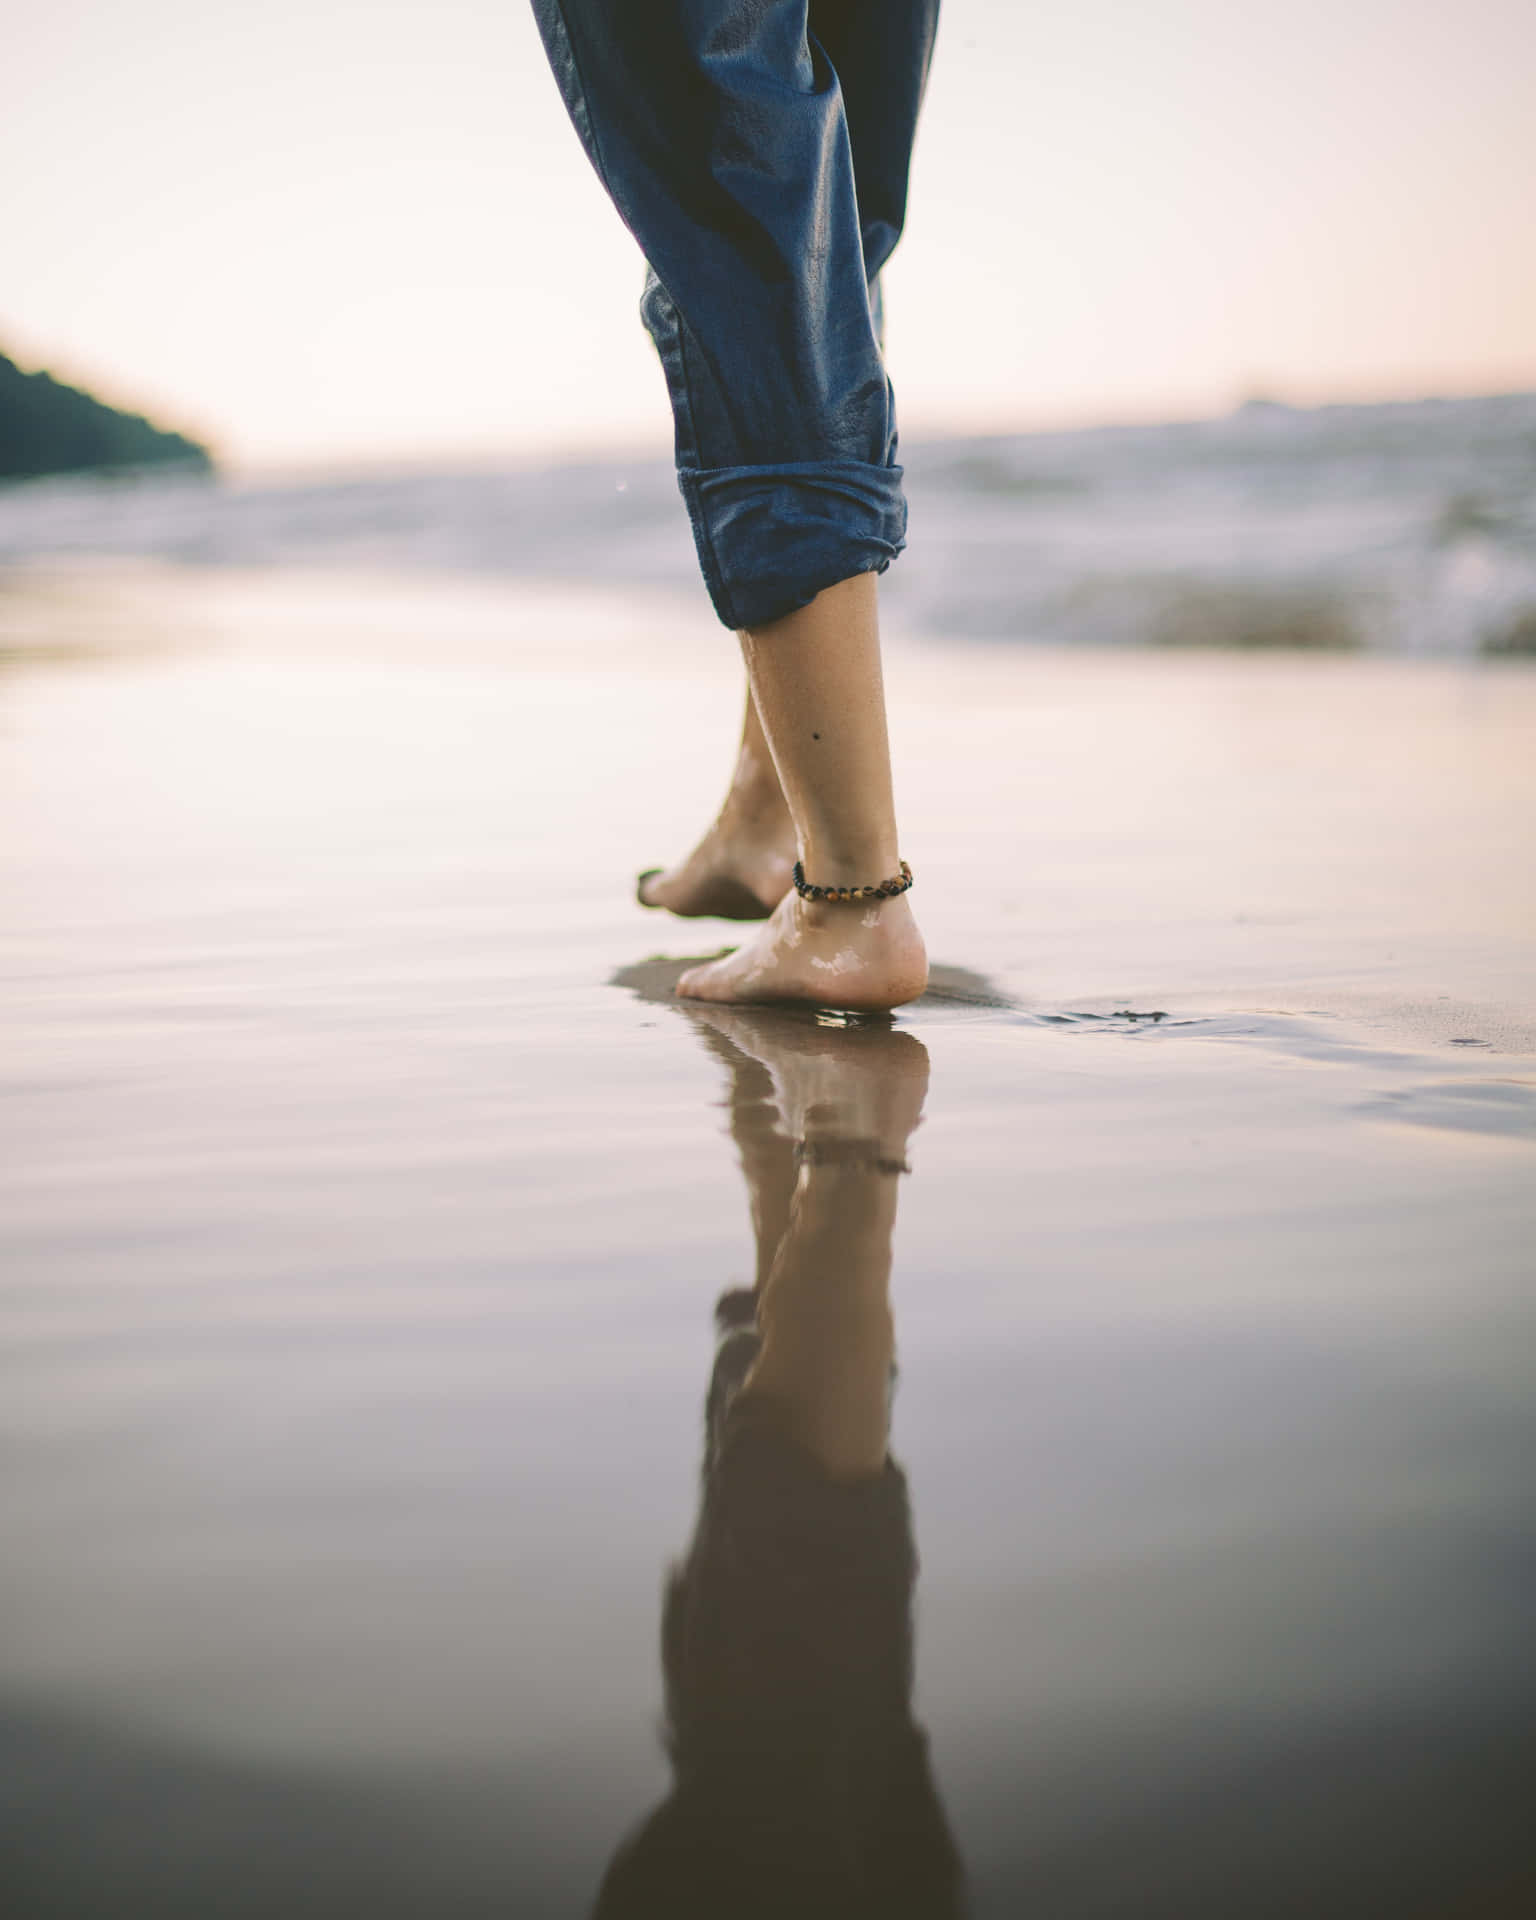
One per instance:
(817,683)
(818,691)
(741,867)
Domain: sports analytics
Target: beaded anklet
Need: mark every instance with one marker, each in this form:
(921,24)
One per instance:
(864,1156)
(887,889)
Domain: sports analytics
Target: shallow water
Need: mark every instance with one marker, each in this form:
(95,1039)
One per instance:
(368,1202)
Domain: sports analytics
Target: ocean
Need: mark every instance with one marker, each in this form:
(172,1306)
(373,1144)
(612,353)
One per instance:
(1407,528)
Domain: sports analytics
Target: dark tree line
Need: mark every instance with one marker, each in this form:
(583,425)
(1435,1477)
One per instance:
(46,427)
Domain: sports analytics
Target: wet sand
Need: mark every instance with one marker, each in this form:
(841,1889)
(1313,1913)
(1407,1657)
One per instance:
(368,1201)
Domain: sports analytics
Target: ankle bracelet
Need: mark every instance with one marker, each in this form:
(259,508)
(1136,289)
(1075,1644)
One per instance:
(886,890)
(864,1156)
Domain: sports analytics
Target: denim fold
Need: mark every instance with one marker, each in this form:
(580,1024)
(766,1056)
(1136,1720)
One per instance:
(770,539)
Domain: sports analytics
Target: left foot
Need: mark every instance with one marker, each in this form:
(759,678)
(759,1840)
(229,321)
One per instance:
(740,870)
(862,959)
(736,872)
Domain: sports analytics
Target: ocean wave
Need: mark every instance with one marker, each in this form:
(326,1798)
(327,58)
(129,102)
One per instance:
(1401,528)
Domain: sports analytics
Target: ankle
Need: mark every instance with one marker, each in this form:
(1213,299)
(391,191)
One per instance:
(848,861)
(756,800)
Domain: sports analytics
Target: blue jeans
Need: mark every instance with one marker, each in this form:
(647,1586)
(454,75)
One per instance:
(758,151)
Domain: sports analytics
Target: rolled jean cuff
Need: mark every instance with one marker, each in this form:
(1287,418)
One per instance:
(771,538)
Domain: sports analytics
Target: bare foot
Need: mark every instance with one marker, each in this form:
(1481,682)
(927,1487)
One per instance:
(741,869)
(865,959)
(738,871)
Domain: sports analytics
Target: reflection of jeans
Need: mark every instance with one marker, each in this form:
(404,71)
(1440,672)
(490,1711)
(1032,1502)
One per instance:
(758,151)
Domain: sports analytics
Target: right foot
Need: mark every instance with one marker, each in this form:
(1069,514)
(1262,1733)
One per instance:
(862,958)
(734,873)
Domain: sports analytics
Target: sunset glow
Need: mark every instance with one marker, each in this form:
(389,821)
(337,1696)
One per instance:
(367,232)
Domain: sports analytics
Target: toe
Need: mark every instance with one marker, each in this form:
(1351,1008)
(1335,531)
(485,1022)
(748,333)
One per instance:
(703,983)
(641,887)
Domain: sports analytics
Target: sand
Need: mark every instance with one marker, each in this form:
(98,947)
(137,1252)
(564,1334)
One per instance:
(367,1200)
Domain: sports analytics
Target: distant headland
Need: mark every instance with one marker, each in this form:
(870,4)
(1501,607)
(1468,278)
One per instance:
(47,427)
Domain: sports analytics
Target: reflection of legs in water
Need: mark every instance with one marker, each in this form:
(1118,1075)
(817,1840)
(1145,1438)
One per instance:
(790,1082)
(801,1780)
(817,1113)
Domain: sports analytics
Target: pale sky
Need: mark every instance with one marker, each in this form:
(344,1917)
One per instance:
(325,231)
